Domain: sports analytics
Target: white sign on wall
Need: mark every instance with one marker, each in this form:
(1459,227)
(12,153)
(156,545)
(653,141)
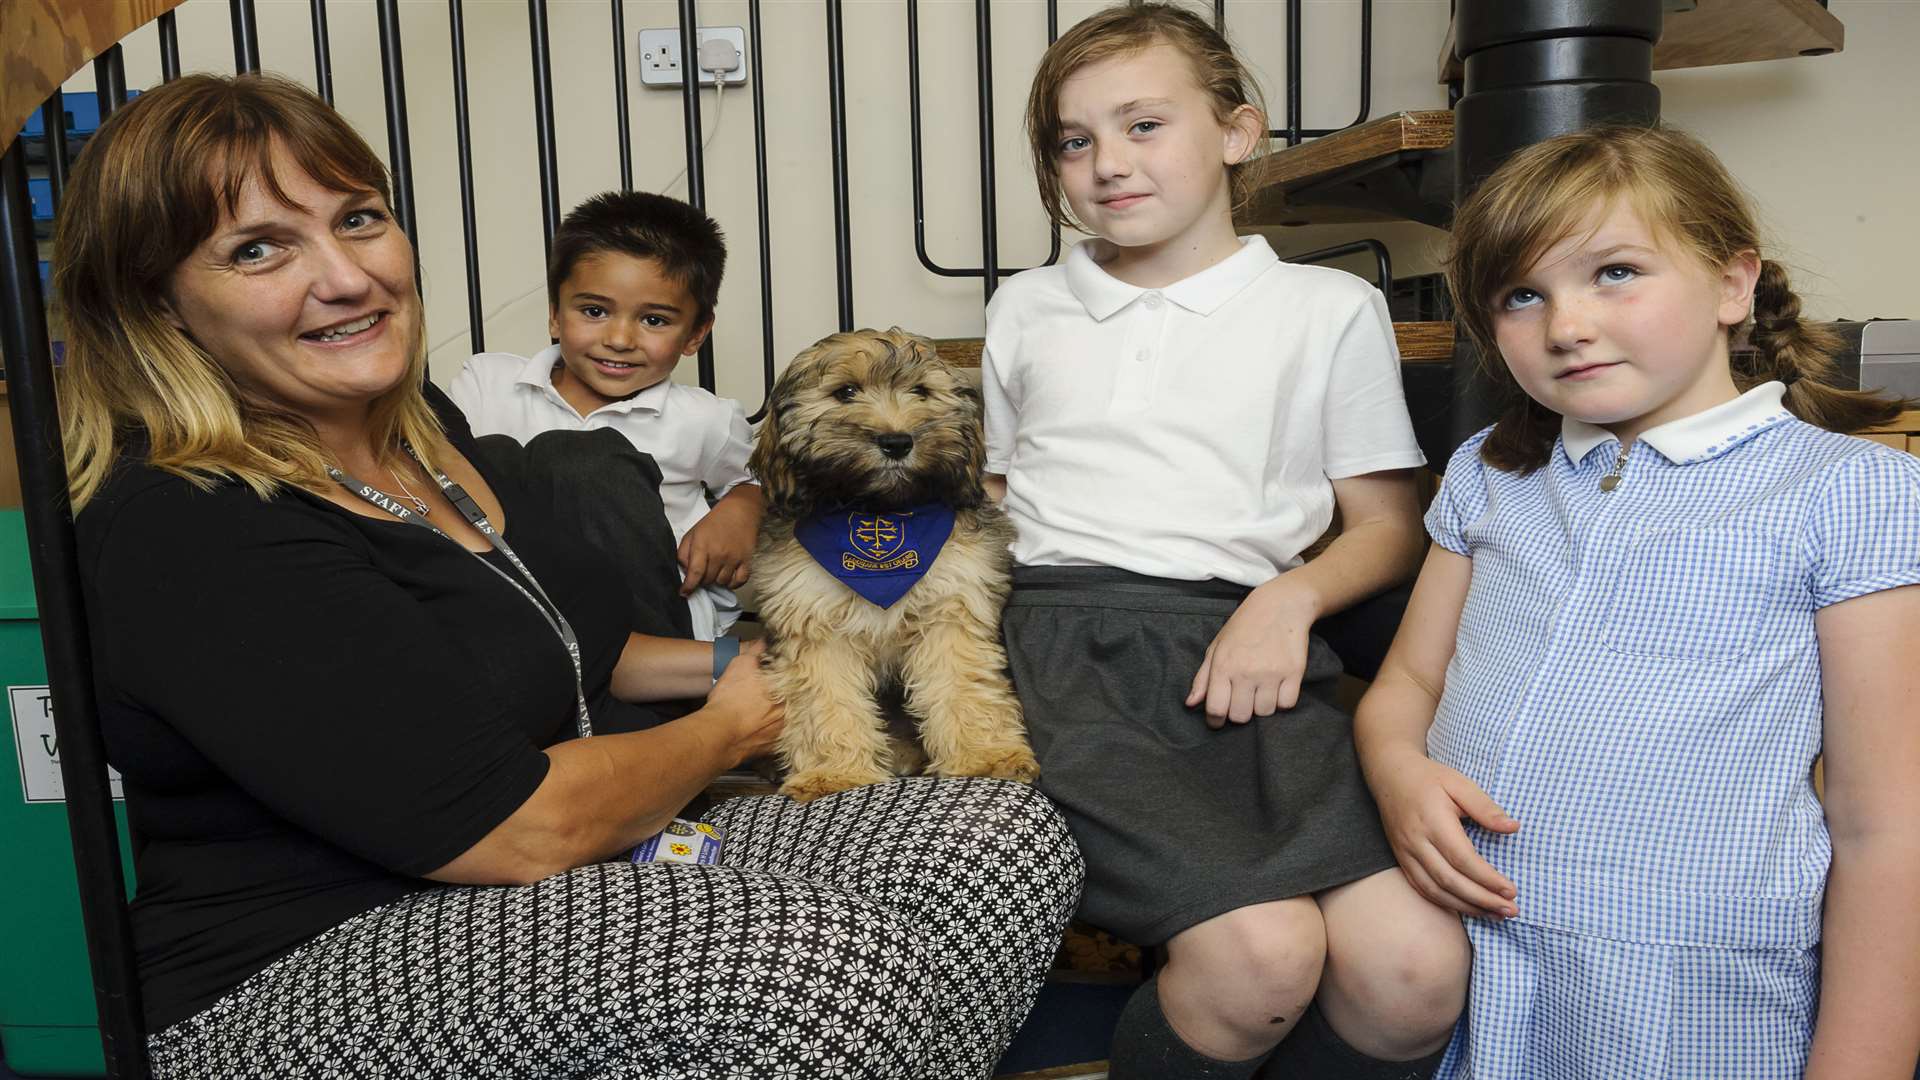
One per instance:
(39,746)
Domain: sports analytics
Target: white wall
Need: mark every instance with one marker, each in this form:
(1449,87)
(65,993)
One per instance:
(1825,144)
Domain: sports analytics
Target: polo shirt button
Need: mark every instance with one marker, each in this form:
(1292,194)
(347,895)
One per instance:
(1142,355)
(1153,301)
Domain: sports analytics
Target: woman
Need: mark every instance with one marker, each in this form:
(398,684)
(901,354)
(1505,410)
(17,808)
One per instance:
(345,669)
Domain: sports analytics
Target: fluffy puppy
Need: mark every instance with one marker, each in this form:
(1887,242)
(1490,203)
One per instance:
(870,440)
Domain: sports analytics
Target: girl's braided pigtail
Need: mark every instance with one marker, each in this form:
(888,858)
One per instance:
(1800,354)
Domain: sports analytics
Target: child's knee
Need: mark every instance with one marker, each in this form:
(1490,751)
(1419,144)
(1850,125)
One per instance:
(1256,966)
(1396,987)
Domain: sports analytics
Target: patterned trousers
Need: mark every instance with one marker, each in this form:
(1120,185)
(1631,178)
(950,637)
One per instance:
(901,930)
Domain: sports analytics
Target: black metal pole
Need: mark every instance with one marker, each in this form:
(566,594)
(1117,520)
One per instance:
(1533,71)
(989,209)
(696,157)
(837,116)
(1220,15)
(476,330)
(1366,62)
(690,103)
(1295,62)
(63,630)
(543,121)
(399,155)
(109,81)
(916,157)
(322,52)
(246,36)
(169,47)
(53,119)
(1382,261)
(620,93)
(766,233)
(1366,81)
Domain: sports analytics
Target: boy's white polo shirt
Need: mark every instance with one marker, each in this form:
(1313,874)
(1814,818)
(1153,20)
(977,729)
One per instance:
(1187,432)
(701,442)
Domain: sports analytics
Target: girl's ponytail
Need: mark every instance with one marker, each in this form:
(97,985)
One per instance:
(1800,354)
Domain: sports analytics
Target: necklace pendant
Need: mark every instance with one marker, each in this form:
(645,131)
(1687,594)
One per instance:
(1609,481)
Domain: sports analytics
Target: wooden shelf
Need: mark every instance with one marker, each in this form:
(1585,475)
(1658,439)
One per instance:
(1725,32)
(1902,434)
(1371,146)
(1420,343)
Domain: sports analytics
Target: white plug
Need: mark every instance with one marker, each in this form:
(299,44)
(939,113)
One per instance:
(718,55)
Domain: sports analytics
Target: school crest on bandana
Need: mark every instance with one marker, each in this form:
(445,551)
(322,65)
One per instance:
(878,554)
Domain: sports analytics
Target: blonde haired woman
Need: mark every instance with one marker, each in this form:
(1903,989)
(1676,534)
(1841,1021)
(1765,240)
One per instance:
(348,668)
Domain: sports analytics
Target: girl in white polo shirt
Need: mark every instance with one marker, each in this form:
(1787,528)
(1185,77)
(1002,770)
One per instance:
(1177,415)
(1661,586)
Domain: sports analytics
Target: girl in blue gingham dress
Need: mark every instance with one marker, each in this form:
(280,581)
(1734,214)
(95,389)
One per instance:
(1658,593)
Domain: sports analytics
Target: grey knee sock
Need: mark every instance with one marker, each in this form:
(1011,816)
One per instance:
(1145,1047)
(1314,1051)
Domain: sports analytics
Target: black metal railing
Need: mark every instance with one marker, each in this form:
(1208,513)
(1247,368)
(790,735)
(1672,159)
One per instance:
(30,359)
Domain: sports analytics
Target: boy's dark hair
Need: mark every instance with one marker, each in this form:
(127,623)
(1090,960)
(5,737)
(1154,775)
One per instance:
(687,243)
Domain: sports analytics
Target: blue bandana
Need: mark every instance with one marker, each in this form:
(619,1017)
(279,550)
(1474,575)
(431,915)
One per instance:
(878,555)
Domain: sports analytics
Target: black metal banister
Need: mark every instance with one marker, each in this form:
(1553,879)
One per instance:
(463,137)
(109,82)
(399,153)
(322,52)
(837,122)
(989,204)
(760,191)
(622,125)
(63,624)
(1382,261)
(696,153)
(246,36)
(918,168)
(170,47)
(543,121)
(53,120)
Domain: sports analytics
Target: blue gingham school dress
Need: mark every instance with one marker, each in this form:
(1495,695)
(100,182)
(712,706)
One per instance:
(1637,681)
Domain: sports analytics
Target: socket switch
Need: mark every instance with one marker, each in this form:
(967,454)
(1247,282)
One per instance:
(660,56)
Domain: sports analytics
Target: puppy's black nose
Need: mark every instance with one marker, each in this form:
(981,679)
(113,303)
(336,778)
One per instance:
(894,444)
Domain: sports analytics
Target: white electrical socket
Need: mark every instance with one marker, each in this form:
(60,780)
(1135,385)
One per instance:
(660,56)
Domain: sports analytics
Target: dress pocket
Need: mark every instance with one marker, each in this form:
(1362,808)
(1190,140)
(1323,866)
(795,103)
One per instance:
(1692,593)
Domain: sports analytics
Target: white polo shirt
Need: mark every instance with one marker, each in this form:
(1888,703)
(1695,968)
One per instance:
(1187,432)
(700,441)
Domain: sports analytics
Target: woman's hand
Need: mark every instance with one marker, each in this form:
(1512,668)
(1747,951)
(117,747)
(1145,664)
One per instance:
(1254,665)
(1421,803)
(742,700)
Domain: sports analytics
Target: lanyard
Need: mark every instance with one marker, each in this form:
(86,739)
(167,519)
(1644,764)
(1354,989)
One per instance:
(477,517)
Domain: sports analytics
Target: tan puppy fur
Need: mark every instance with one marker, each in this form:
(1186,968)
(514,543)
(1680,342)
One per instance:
(831,652)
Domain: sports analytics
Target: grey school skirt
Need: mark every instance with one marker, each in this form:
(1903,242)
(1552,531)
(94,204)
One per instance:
(1179,822)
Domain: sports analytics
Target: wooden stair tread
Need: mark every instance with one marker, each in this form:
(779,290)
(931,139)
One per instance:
(1725,32)
(1420,343)
(1289,169)
(1419,129)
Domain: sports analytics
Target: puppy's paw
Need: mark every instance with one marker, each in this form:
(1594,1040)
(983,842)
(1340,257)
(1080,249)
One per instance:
(1009,763)
(810,784)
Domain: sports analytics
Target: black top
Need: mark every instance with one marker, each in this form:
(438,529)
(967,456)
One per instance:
(310,708)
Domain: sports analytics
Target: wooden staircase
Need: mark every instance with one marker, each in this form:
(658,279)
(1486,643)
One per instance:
(1716,32)
(1398,167)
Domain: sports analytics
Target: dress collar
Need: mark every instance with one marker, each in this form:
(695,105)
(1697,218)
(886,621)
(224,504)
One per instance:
(1706,434)
(1102,294)
(538,373)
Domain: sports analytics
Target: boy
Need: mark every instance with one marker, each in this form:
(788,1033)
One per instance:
(632,282)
